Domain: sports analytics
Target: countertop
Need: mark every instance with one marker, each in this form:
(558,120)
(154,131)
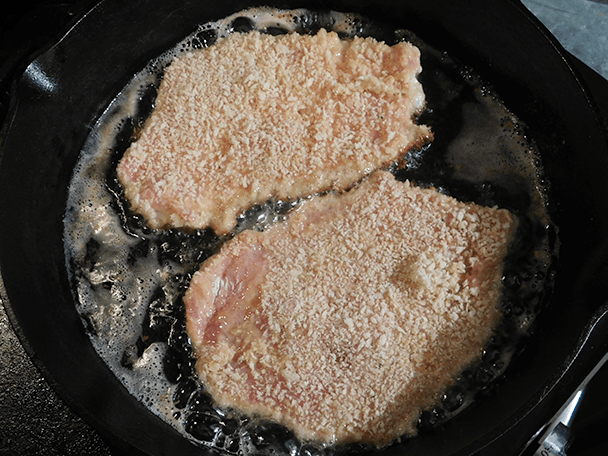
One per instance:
(581,26)
(34,421)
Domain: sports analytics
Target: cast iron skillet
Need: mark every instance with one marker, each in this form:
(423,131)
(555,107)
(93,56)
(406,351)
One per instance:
(65,90)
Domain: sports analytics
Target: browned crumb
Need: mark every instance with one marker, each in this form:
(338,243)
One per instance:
(257,116)
(345,320)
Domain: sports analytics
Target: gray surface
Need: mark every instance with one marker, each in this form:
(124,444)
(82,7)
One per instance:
(581,26)
(33,421)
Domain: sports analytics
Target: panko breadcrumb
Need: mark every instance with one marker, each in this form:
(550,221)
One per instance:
(256,116)
(342,322)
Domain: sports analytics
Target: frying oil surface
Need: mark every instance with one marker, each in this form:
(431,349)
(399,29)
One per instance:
(128,280)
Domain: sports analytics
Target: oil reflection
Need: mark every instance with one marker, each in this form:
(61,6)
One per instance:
(36,75)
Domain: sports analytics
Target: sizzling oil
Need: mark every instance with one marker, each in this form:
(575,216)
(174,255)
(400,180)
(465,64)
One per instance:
(128,280)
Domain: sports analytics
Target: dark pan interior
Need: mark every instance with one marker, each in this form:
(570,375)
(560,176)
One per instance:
(65,90)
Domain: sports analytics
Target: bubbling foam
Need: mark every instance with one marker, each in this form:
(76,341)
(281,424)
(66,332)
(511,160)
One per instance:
(128,280)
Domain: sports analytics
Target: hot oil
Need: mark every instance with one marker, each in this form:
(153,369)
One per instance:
(128,280)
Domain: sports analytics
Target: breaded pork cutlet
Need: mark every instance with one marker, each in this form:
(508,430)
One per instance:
(256,116)
(344,320)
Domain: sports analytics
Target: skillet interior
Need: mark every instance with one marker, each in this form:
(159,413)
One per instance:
(66,89)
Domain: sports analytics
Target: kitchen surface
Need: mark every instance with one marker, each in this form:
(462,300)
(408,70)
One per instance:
(35,421)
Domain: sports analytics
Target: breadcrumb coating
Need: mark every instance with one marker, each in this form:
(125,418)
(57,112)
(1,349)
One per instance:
(256,116)
(348,318)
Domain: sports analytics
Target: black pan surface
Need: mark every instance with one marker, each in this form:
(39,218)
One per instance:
(65,90)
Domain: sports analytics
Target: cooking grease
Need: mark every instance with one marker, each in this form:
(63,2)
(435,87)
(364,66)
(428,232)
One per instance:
(128,280)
